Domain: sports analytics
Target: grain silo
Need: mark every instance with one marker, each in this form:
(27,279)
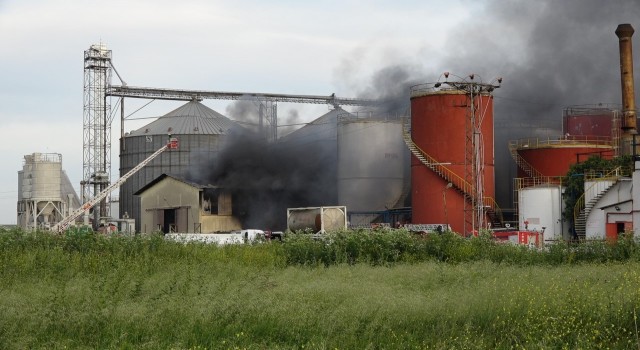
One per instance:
(371,163)
(201,132)
(452,170)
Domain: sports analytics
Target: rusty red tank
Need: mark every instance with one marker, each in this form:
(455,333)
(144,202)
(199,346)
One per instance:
(441,129)
(601,121)
(552,157)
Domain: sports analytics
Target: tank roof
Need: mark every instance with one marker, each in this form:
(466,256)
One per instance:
(190,118)
(562,142)
(323,127)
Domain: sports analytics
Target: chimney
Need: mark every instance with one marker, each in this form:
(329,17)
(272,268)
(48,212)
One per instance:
(624,33)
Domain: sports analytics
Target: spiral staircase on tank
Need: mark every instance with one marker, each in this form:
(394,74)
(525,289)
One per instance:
(522,163)
(491,208)
(599,188)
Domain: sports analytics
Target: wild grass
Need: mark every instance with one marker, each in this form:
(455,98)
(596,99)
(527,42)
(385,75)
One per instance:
(362,291)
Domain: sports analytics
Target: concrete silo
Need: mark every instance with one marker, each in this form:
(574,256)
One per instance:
(452,170)
(45,194)
(201,132)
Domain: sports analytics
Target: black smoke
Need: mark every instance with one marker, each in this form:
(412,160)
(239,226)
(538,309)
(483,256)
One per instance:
(551,54)
(390,85)
(267,178)
(245,112)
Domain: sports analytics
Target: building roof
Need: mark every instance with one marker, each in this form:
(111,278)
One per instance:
(190,118)
(164,176)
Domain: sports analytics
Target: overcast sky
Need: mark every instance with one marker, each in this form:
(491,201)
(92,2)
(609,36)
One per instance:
(294,47)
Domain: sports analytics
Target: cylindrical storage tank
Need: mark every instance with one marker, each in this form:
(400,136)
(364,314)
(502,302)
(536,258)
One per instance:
(554,157)
(200,131)
(540,209)
(317,143)
(593,122)
(317,219)
(371,164)
(42,177)
(441,127)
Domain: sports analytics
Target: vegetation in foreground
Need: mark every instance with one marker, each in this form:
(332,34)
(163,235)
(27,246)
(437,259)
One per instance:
(355,290)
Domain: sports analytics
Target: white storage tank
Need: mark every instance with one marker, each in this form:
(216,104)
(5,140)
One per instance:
(317,219)
(372,163)
(540,209)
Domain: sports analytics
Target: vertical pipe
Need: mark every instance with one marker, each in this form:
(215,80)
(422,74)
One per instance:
(122,145)
(624,33)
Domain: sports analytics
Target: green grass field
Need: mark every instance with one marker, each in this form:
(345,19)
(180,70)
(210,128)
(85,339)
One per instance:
(354,291)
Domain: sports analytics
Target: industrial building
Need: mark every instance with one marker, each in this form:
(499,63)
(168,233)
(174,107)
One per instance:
(202,133)
(435,166)
(170,204)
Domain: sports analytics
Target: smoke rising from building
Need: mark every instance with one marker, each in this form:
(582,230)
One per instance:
(265,179)
(551,55)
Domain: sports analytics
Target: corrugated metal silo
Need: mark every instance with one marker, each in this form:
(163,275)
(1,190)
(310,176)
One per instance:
(441,128)
(371,163)
(200,131)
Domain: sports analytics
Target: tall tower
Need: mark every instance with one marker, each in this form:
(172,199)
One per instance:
(96,129)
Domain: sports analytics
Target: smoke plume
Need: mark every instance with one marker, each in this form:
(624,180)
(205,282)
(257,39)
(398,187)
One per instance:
(551,54)
(267,178)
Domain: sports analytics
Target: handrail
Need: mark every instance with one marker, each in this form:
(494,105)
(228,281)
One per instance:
(522,182)
(580,203)
(491,203)
(522,163)
(454,178)
(536,142)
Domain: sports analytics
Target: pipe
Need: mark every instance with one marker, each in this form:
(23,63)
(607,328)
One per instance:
(624,33)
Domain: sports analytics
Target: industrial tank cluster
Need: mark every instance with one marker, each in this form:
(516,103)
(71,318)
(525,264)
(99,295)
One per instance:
(445,168)
(202,133)
(368,159)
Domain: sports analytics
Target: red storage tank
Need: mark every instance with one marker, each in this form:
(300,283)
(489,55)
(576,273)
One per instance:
(591,120)
(440,122)
(553,157)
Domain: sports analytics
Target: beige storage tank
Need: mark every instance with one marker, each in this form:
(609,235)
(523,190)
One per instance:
(372,163)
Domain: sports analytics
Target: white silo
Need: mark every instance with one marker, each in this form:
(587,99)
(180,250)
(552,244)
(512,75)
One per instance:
(40,198)
(372,163)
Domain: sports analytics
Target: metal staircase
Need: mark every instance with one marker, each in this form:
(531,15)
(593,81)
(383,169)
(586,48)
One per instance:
(458,183)
(581,210)
(522,163)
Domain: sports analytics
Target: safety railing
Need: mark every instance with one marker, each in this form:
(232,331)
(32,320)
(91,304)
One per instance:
(562,141)
(613,175)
